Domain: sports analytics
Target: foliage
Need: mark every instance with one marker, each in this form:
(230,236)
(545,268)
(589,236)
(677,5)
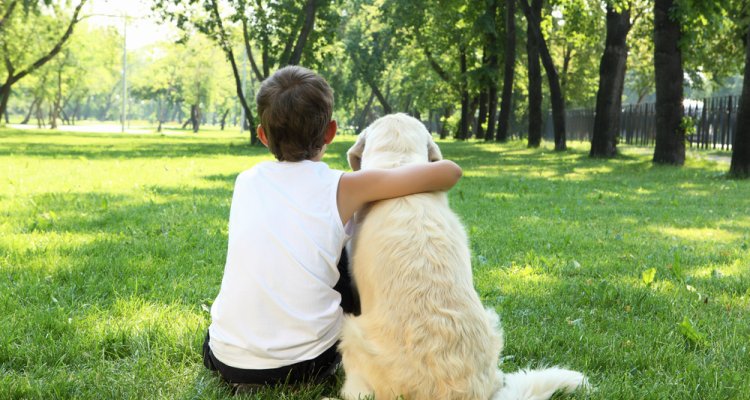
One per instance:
(576,29)
(407,53)
(104,281)
(712,39)
(19,58)
(88,67)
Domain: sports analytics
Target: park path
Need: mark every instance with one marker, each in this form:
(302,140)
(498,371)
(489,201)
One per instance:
(96,128)
(647,151)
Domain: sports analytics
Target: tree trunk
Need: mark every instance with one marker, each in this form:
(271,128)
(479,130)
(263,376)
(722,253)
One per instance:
(52,118)
(31,111)
(567,56)
(492,65)
(473,110)
(4,95)
(387,109)
(74,116)
(555,92)
(611,80)
(362,120)
(503,121)
(195,117)
(310,8)
(463,129)
(670,133)
(740,167)
(39,115)
(226,46)
(535,83)
(444,125)
(224,118)
(482,120)
(55,107)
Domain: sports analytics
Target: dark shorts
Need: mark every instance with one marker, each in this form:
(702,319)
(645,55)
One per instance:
(318,369)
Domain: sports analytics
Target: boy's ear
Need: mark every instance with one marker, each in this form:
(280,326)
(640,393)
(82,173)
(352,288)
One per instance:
(262,135)
(330,132)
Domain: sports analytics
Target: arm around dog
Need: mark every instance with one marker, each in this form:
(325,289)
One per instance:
(361,187)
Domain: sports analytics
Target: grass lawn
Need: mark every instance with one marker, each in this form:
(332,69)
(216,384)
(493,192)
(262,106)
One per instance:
(112,249)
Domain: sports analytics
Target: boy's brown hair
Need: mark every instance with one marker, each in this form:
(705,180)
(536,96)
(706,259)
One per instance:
(295,106)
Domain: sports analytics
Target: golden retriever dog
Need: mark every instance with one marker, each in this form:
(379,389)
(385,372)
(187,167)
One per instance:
(423,333)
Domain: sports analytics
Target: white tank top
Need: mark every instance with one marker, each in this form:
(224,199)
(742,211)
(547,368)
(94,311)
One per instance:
(276,305)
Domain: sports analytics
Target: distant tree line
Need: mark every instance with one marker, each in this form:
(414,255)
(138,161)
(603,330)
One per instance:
(471,69)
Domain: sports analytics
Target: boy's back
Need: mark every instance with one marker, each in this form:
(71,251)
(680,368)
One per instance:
(285,239)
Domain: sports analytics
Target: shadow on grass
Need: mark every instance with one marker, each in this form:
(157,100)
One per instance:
(105,146)
(559,240)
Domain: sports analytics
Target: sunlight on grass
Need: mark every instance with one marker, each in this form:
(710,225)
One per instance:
(696,234)
(112,248)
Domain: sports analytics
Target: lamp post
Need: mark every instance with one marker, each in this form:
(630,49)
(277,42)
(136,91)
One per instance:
(124,111)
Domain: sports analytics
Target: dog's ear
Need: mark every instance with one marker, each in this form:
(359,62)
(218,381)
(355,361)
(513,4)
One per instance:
(433,151)
(354,155)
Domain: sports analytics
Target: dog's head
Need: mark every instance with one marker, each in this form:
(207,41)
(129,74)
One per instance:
(392,141)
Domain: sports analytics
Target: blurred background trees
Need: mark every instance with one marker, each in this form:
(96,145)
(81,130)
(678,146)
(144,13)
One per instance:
(469,69)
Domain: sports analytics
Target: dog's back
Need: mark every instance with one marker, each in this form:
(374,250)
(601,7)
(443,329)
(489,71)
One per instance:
(420,312)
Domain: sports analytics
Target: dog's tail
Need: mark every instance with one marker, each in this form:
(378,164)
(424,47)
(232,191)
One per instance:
(539,384)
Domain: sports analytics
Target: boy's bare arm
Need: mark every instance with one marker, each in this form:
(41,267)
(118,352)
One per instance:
(361,187)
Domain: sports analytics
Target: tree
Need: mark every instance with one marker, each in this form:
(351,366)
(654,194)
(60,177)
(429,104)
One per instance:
(369,45)
(486,26)
(445,33)
(14,45)
(556,97)
(611,82)
(503,121)
(535,76)
(670,131)
(576,43)
(740,166)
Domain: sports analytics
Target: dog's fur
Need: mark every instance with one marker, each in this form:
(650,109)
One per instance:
(423,333)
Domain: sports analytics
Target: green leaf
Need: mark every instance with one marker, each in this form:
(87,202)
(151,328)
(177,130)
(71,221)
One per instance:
(687,330)
(677,268)
(648,276)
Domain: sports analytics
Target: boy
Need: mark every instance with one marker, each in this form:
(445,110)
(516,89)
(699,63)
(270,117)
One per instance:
(277,316)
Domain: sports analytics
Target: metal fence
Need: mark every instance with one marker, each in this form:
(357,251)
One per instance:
(711,123)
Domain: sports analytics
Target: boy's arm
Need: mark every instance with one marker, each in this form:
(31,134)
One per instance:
(361,187)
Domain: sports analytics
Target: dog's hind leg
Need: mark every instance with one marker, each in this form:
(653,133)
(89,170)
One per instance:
(358,359)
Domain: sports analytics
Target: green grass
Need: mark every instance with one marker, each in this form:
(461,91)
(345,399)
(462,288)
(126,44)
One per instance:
(112,246)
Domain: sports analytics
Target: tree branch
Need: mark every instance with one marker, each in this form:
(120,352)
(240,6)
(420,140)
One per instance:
(8,12)
(226,46)
(249,50)
(439,70)
(58,46)
(310,8)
